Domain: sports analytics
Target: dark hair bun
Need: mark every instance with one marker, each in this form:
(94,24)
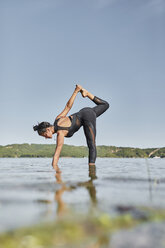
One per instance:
(35,128)
(41,127)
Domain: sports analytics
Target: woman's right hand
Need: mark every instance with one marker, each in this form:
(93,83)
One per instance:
(78,88)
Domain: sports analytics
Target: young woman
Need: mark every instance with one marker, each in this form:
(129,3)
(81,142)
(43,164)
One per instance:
(66,126)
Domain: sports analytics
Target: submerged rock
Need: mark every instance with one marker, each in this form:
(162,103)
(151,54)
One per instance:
(136,213)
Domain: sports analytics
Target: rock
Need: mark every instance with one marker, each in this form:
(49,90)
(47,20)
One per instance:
(135,212)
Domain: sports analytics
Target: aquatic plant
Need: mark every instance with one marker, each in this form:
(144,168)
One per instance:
(76,230)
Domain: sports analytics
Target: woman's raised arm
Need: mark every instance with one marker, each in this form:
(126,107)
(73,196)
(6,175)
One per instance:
(70,102)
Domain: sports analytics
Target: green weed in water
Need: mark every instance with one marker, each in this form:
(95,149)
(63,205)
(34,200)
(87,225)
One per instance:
(74,231)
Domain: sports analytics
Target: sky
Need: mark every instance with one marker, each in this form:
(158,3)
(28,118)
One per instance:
(113,48)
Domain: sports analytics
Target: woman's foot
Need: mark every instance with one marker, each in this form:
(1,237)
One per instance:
(84,93)
(78,88)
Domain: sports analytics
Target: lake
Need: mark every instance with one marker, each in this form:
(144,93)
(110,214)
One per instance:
(31,191)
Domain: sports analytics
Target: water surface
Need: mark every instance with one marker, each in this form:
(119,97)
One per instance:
(31,191)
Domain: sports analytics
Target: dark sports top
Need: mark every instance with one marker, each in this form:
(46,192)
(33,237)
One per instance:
(72,129)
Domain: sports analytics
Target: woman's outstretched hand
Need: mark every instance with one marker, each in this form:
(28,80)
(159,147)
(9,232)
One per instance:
(56,168)
(78,88)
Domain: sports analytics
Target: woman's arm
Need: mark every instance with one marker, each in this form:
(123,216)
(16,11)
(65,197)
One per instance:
(70,102)
(59,145)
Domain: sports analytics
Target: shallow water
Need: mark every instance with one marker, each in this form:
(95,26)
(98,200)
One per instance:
(31,191)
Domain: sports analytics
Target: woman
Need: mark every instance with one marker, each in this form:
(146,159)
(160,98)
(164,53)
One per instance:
(66,126)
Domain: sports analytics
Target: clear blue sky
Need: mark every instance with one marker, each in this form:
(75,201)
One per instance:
(114,48)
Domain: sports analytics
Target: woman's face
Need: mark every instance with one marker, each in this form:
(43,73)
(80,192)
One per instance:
(47,134)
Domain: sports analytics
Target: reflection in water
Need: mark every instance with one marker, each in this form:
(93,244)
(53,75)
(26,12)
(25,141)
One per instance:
(89,184)
(149,179)
(62,208)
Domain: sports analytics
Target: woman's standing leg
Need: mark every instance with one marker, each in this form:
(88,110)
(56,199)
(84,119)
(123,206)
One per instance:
(90,134)
(89,123)
(88,117)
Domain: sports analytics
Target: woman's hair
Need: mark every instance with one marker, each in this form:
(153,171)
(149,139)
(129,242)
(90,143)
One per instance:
(41,127)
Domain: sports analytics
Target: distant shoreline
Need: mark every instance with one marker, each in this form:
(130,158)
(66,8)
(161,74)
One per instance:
(47,150)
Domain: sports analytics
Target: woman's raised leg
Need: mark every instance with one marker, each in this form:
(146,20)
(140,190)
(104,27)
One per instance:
(102,105)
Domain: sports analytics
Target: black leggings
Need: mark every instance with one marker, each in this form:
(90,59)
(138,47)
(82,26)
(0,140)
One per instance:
(88,119)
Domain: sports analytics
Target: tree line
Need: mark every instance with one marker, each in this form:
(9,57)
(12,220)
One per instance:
(42,150)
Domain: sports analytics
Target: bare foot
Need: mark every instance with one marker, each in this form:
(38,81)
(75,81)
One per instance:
(84,93)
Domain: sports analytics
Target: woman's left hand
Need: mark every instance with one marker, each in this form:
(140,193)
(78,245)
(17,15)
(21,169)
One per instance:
(56,168)
(54,164)
(78,88)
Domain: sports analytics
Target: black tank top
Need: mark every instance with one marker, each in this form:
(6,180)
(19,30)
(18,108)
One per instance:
(72,129)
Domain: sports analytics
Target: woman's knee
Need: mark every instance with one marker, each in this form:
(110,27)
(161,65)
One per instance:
(100,109)
(107,105)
